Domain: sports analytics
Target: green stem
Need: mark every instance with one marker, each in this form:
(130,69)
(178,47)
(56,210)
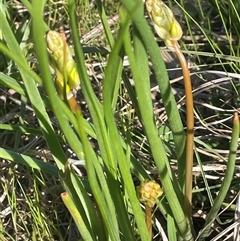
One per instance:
(139,63)
(226,181)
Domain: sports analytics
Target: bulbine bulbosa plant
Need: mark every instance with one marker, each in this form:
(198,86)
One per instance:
(61,60)
(148,193)
(106,200)
(167,28)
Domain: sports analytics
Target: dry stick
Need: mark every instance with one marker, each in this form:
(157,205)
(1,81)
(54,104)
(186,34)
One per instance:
(190,130)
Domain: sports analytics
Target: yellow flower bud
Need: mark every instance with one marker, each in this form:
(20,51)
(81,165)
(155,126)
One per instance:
(59,62)
(73,78)
(69,95)
(166,26)
(148,192)
(59,84)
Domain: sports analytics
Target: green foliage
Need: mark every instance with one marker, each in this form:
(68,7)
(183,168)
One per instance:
(103,201)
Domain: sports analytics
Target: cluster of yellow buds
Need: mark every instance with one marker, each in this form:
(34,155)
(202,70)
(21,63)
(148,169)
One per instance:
(166,26)
(148,192)
(62,62)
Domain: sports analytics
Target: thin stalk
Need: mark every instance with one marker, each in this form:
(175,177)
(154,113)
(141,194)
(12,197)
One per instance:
(138,62)
(190,129)
(98,183)
(226,181)
(148,218)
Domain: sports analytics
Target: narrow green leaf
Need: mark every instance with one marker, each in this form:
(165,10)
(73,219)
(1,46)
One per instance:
(99,185)
(161,76)
(226,181)
(76,216)
(139,66)
(74,186)
(171,227)
(93,103)
(33,94)
(29,161)
(115,137)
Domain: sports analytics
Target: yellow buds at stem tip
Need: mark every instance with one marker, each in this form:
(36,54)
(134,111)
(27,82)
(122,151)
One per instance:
(61,59)
(148,192)
(166,26)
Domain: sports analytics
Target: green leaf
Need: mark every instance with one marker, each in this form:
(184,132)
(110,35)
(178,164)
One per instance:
(33,93)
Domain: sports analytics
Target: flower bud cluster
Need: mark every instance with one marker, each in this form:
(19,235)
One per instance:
(148,192)
(164,23)
(61,60)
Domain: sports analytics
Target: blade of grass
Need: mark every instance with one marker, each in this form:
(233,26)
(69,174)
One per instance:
(55,101)
(105,24)
(93,102)
(171,228)
(28,6)
(81,200)
(113,86)
(110,81)
(161,77)
(226,181)
(29,161)
(33,94)
(99,185)
(86,235)
(142,84)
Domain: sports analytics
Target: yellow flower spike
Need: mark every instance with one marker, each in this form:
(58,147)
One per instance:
(166,26)
(58,61)
(148,192)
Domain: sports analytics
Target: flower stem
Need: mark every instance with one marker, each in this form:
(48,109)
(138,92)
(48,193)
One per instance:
(148,218)
(190,128)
